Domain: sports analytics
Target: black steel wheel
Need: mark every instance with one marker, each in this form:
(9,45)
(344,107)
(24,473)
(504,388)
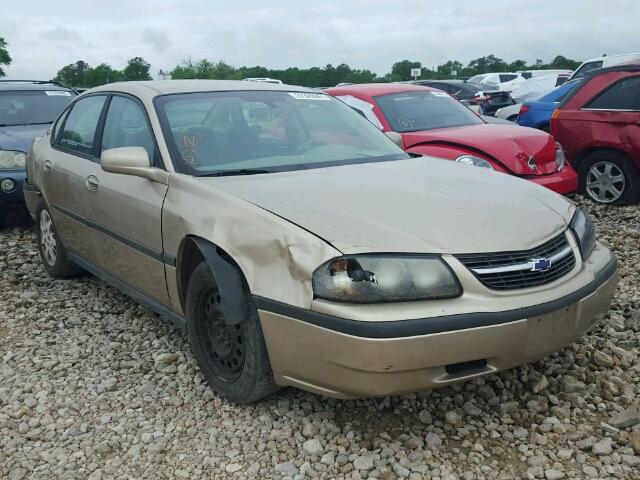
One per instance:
(231,354)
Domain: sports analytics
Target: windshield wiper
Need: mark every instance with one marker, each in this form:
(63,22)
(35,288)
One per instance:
(241,171)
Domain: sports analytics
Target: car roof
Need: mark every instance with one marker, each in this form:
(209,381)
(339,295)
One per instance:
(154,88)
(13,85)
(375,89)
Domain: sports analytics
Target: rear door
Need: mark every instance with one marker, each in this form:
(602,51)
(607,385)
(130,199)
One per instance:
(66,171)
(125,209)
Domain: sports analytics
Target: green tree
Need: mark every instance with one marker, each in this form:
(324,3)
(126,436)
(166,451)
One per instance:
(488,64)
(101,74)
(5,58)
(137,69)
(73,74)
(401,71)
(563,62)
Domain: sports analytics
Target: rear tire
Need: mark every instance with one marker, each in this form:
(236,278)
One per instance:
(233,358)
(609,177)
(52,253)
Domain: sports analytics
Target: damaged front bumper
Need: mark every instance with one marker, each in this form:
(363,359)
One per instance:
(345,358)
(564,182)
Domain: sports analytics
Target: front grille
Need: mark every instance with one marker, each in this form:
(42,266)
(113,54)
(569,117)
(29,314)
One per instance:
(513,270)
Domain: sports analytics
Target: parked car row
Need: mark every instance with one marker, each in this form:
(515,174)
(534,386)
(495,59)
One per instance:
(301,247)
(27,110)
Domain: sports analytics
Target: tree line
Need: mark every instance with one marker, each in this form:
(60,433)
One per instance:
(81,74)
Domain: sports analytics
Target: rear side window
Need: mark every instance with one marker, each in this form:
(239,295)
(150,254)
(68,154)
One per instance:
(507,77)
(79,131)
(126,126)
(623,95)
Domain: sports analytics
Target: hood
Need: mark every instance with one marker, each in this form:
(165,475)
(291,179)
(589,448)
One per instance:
(419,205)
(20,137)
(510,145)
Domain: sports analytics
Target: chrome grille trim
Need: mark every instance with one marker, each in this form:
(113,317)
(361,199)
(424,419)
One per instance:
(522,269)
(523,266)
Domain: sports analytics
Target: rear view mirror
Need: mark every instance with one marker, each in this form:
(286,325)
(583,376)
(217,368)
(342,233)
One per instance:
(396,137)
(131,161)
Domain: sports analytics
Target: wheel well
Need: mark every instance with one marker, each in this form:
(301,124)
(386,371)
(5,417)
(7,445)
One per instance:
(588,151)
(189,258)
(513,118)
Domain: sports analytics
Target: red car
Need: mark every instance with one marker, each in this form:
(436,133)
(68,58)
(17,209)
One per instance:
(598,124)
(433,123)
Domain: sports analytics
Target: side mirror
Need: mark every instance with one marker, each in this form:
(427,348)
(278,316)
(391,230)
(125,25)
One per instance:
(131,161)
(396,138)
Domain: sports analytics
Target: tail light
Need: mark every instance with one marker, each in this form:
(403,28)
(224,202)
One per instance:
(524,109)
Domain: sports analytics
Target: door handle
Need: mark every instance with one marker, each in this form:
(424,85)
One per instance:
(47,165)
(92,183)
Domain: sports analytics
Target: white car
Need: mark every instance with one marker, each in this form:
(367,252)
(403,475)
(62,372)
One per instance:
(535,87)
(501,81)
(509,113)
(602,62)
(264,80)
(543,73)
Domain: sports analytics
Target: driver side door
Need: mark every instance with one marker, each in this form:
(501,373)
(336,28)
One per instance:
(126,210)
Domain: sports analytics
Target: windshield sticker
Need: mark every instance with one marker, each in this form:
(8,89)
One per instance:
(439,94)
(57,93)
(309,96)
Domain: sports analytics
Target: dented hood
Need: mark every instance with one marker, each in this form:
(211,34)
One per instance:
(511,145)
(421,205)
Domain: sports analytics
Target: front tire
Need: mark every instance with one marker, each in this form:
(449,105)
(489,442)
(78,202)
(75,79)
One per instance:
(232,358)
(52,253)
(610,178)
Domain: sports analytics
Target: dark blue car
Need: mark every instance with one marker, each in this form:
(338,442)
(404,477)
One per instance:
(27,109)
(537,113)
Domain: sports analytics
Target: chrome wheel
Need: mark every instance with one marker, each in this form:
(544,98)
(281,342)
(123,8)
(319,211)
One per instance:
(605,182)
(48,239)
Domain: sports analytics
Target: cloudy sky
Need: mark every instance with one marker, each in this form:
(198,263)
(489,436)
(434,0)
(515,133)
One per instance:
(44,35)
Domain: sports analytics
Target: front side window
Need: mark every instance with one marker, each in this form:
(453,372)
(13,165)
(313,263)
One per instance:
(37,107)
(241,132)
(126,126)
(415,111)
(623,95)
(79,130)
(586,68)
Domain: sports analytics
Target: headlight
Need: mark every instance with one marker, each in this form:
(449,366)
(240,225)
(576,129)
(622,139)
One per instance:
(560,158)
(373,278)
(475,161)
(11,160)
(584,231)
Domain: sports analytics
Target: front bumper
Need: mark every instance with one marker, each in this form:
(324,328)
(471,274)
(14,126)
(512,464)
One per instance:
(564,182)
(14,198)
(348,359)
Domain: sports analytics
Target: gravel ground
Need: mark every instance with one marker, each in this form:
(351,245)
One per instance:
(93,385)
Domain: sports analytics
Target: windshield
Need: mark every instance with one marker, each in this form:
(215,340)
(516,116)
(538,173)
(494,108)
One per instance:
(246,132)
(26,107)
(414,111)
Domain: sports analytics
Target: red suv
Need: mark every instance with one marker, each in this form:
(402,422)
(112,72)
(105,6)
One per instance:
(598,124)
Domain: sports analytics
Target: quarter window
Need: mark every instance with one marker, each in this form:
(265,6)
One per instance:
(623,95)
(126,126)
(79,131)
(507,77)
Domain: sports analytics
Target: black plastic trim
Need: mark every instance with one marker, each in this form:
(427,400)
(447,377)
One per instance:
(156,255)
(428,326)
(138,296)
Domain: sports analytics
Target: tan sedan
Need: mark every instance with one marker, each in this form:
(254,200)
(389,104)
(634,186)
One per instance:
(300,246)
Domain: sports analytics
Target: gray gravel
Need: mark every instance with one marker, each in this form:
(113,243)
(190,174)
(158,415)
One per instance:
(93,385)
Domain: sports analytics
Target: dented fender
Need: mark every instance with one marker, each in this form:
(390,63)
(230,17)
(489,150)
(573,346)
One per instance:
(276,257)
